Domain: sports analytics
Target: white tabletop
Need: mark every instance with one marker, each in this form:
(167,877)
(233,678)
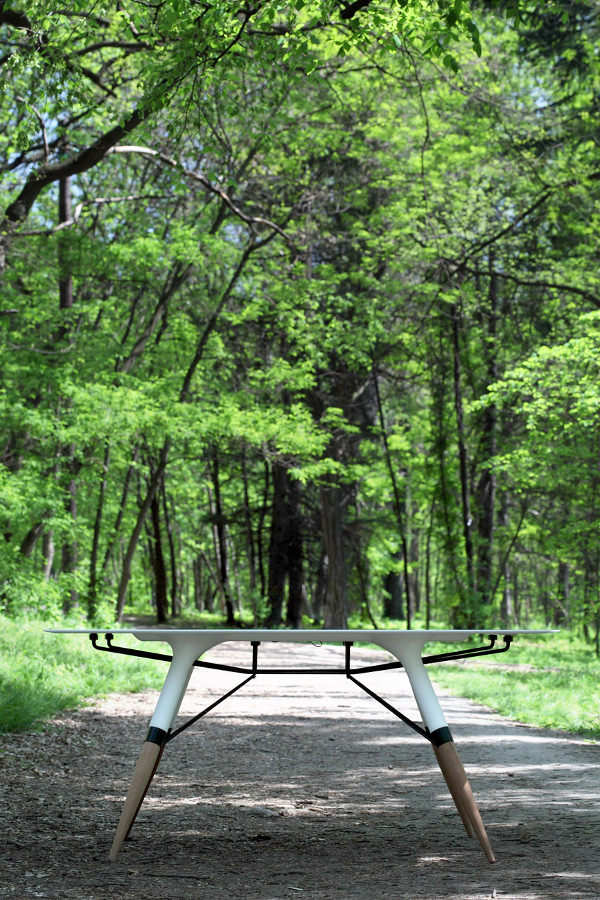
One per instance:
(388,638)
(305,634)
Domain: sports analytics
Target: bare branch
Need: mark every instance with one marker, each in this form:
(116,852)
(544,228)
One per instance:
(251,221)
(95,201)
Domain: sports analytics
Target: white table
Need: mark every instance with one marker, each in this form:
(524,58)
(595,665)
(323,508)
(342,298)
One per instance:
(188,645)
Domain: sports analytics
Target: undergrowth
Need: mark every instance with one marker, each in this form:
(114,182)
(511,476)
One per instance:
(42,673)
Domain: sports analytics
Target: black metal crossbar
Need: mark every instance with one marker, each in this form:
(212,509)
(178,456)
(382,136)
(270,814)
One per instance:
(347,670)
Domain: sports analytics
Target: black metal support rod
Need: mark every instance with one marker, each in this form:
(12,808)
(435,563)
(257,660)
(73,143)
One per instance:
(173,734)
(163,657)
(126,651)
(475,651)
(422,731)
(382,667)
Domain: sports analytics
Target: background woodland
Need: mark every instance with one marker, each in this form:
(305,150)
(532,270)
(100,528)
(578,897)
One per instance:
(300,312)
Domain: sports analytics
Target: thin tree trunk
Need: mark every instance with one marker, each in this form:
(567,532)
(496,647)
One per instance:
(49,550)
(400,518)
(175,582)
(65,292)
(69,548)
(65,283)
(278,547)
(428,598)
(93,586)
(120,514)
(158,559)
(466,616)
(250,542)
(295,555)
(260,531)
(486,488)
(320,591)
(221,539)
(507,611)
(153,485)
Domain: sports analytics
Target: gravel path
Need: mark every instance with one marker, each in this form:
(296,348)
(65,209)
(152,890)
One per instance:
(297,787)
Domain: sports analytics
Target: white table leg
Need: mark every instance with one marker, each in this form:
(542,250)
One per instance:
(443,744)
(167,707)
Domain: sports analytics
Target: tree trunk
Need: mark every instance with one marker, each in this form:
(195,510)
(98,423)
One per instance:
(93,585)
(65,283)
(295,556)
(69,548)
(153,485)
(428,595)
(393,598)
(49,550)
(320,591)
(507,610)
(336,599)
(260,540)
(398,502)
(467,615)
(278,546)
(158,561)
(108,553)
(250,541)
(413,571)
(486,488)
(221,542)
(561,607)
(175,580)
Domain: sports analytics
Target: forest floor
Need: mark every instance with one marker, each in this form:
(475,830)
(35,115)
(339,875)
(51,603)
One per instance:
(297,787)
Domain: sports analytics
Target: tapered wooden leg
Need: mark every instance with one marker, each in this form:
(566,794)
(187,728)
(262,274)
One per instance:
(142,777)
(458,785)
(456,796)
(131,824)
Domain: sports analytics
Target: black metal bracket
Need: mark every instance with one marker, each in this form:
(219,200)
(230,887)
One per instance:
(347,670)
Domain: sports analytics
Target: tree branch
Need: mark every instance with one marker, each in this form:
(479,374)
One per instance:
(350,9)
(74,165)
(13,17)
(251,221)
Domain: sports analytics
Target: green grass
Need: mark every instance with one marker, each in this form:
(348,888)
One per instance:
(41,674)
(552,681)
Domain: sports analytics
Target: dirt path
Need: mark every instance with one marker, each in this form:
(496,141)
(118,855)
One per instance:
(297,787)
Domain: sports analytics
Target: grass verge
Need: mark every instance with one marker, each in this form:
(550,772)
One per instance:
(40,673)
(551,681)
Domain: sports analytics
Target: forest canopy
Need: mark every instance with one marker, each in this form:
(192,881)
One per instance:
(299,311)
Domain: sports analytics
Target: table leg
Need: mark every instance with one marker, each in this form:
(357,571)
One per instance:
(444,747)
(143,774)
(460,789)
(166,710)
